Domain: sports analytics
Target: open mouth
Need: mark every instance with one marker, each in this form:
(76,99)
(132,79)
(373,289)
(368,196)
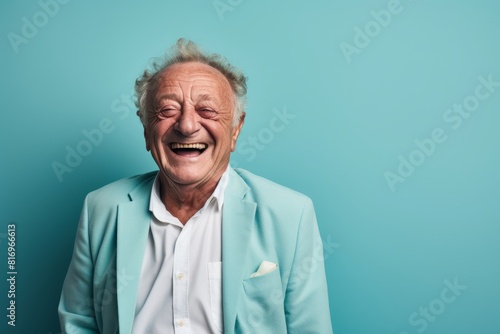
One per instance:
(188,150)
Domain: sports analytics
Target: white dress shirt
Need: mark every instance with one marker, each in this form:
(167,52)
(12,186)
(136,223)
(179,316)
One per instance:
(180,287)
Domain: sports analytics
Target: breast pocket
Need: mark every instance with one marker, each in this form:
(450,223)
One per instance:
(265,287)
(263,305)
(215,281)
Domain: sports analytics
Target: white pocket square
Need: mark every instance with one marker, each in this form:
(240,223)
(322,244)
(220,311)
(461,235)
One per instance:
(265,268)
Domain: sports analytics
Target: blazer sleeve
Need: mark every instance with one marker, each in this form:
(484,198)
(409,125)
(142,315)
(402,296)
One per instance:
(307,309)
(76,311)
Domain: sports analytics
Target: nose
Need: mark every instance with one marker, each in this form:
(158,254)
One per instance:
(188,122)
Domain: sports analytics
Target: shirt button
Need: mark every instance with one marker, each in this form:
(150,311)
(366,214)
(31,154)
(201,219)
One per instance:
(180,276)
(180,323)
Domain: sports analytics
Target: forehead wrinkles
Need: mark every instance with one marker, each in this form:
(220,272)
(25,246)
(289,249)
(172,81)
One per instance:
(190,80)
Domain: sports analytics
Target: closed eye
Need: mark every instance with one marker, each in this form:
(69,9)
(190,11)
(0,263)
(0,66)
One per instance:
(167,112)
(207,113)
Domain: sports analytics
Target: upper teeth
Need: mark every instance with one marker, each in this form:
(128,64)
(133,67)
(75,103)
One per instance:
(198,146)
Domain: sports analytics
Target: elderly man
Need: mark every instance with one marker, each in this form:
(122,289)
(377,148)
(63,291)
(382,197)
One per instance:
(196,247)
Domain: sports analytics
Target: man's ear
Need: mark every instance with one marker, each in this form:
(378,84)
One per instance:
(146,138)
(236,131)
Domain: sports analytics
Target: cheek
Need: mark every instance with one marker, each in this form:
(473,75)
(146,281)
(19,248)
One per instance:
(158,131)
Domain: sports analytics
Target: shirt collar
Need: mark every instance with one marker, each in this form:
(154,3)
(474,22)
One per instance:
(158,209)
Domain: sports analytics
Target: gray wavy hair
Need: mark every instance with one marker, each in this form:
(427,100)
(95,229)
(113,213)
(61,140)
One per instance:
(187,51)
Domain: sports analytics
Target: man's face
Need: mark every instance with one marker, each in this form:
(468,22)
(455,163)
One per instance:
(189,131)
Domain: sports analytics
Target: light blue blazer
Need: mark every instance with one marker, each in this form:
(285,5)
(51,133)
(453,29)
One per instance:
(261,221)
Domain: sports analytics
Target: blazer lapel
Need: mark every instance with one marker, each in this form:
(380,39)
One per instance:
(132,231)
(237,222)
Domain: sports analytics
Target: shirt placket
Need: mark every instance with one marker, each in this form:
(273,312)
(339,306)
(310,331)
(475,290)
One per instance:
(180,278)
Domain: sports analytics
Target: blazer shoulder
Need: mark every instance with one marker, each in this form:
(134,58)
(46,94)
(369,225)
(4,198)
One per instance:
(118,191)
(268,192)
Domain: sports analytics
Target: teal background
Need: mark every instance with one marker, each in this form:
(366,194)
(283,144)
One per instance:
(390,252)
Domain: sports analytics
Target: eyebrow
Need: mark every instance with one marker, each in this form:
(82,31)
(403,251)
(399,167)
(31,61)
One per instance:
(206,97)
(175,97)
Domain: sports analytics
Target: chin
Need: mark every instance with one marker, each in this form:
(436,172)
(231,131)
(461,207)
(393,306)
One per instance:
(184,176)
